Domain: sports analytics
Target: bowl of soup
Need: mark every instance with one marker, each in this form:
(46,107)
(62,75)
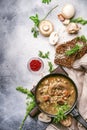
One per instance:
(53,91)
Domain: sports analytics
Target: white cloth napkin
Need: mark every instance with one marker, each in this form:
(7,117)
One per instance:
(79,75)
(81,63)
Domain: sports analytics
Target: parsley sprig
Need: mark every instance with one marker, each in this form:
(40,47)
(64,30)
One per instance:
(46,1)
(44,55)
(50,66)
(61,113)
(36,20)
(79,20)
(35,29)
(30,104)
(82,38)
(73,50)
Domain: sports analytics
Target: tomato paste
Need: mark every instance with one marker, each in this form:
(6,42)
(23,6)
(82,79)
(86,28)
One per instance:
(35,65)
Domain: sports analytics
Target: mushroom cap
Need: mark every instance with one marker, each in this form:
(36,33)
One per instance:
(68,11)
(73,28)
(44,118)
(46,28)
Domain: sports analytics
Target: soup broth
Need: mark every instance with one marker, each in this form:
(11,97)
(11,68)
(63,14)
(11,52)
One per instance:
(54,91)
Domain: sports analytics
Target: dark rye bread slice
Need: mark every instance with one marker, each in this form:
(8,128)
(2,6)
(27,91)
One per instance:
(81,52)
(62,59)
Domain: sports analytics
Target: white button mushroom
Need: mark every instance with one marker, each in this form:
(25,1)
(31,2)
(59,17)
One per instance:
(73,28)
(53,39)
(46,28)
(68,11)
(44,118)
(67,122)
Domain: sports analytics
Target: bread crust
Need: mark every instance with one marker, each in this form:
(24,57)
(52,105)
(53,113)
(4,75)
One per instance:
(62,59)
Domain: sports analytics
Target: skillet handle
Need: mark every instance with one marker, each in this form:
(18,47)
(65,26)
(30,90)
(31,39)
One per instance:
(75,113)
(34,112)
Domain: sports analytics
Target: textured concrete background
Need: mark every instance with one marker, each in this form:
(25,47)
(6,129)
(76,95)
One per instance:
(17,45)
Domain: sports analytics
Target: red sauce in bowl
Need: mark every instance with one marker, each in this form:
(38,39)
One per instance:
(35,64)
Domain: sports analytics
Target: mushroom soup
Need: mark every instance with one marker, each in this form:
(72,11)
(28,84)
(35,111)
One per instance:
(54,91)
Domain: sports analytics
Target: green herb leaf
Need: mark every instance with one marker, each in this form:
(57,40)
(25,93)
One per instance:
(24,91)
(29,107)
(73,50)
(82,38)
(46,1)
(61,113)
(44,55)
(79,20)
(35,19)
(35,31)
(30,104)
(50,67)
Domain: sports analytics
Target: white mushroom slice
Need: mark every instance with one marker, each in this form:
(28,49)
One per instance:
(53,39)
(73,28)
(44,118)
(66,21)
(68,11)
(46,28)
(67,122)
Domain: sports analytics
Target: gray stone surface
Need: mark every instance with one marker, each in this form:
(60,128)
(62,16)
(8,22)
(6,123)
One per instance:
(17,45)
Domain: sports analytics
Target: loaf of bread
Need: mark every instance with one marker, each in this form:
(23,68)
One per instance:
(67,60)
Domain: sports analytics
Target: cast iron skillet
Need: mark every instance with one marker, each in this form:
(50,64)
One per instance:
(73,111)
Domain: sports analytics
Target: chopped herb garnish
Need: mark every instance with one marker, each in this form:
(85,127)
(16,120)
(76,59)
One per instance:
(50,66)
(73,50)
(79,20)
(46,1)
(61,113)
(30,104)
(44,55)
